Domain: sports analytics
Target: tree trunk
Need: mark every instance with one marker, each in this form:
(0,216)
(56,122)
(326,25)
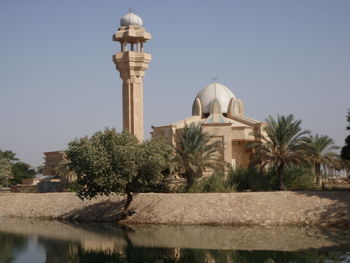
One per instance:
(318,174)
(189,181)
(127,203)
(280,175)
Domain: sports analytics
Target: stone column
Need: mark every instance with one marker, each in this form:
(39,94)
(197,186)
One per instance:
(133,106)
(132,65)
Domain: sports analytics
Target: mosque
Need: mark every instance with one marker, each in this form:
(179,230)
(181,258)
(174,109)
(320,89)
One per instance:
(215,107)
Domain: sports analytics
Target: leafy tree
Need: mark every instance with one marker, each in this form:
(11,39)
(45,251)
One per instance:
(111,162)
(12,171)
(321,154)
(8,155)
(196,153)
(345,151)
(5,172)
(283,145)
(20,171)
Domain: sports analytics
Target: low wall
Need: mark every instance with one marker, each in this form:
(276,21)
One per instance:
(260,208)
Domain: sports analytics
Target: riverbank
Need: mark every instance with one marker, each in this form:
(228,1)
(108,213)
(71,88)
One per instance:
(258,208)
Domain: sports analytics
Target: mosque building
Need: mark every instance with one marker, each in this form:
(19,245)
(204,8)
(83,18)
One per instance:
(215,107)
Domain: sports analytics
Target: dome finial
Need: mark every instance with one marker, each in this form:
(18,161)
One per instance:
(215,79)
(131,19)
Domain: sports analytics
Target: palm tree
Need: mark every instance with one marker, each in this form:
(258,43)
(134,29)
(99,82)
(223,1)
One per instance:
(64,171)
(321,154)
(196,153)
(345,151)
(282,144)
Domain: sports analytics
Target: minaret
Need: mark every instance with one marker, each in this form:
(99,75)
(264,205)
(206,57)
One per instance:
(132,63)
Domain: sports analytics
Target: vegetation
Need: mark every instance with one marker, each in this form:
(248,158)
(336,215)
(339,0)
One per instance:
(283,145)
(345,151)
(12,170)
(5,172)
(8,156)
(252,179)
(346,167)
(111,162)
(300,178)
(284,158)
(21,171)
(321,154)
(216,183)
(65,173)
(196,153)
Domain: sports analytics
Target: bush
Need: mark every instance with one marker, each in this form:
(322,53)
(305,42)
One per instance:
(253,179)
(216,183)
(300,178)
(297,178)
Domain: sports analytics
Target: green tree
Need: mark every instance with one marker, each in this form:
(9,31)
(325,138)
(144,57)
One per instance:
(20,171)
(5,172)
(111,162)
(8,155)
(345,151)
(283,145)
(322,154)
(196,153)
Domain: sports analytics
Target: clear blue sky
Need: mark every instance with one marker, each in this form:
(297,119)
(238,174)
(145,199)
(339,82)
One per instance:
(58,81)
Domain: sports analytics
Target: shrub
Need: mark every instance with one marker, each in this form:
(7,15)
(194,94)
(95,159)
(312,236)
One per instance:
(300,178)
(216,183)
(297,178)
(253,179)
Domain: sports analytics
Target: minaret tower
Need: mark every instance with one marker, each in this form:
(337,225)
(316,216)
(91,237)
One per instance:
(132,63)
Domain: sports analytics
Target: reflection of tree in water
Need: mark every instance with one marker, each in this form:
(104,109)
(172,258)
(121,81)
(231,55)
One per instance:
(227,256)
(11,245)
(58,251)
(72,252)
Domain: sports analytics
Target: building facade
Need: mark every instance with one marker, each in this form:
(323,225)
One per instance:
(215,107)
(222,116)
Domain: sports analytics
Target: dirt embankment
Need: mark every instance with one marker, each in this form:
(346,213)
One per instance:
(260,208)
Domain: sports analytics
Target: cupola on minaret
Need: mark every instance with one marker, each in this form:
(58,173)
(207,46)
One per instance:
(132,63)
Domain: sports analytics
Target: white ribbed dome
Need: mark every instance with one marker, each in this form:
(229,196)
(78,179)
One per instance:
(131,19)
(212,91)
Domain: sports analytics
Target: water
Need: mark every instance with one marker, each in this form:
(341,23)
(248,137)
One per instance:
(24,240)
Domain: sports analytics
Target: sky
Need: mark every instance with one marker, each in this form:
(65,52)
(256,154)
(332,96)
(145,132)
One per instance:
(58,81)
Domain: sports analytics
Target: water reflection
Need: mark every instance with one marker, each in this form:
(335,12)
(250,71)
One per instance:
(163,244)
(11,245)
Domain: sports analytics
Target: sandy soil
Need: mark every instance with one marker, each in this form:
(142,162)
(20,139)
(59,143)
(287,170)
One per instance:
(260,208)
